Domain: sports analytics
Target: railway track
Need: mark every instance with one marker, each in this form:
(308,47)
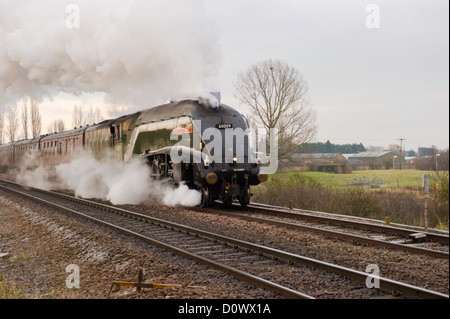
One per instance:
(247,261)
(341,229)
(366,224)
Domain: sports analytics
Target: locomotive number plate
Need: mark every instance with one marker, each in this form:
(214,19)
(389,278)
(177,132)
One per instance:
(224,125)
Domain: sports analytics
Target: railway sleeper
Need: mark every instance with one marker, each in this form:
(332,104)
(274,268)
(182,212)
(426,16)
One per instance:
(237,255)
(264,262)
(210,249)
(193,243)
(200,247)
(171,237)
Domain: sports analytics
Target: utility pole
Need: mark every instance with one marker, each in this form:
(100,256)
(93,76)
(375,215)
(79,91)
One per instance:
(393,171)
(401,151)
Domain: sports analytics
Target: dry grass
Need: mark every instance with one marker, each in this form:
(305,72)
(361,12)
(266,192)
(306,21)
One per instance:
(406,178)
(9,290)
(404,206)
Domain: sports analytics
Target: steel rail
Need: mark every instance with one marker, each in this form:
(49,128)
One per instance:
(363,219)
(442,239)
(244,276)
(335,234)
(385,284)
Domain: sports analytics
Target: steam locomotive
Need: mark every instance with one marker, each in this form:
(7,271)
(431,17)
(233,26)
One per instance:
(186,141)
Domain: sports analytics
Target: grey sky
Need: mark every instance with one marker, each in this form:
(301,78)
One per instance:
(367,85)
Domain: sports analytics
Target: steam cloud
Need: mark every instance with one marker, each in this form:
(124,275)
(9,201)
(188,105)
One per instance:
(137,52)
(120,183)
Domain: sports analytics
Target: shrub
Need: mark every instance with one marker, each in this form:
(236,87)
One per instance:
(439,198)
(404,206)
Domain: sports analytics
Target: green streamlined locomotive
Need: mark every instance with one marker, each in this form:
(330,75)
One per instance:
(207,148)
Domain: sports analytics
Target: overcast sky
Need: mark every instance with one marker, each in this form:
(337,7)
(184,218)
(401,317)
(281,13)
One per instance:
(368,85)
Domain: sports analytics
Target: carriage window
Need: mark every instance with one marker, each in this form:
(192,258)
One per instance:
(117,133)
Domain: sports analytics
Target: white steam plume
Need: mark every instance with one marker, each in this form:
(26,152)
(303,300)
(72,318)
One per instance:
(120,183)
(138,52)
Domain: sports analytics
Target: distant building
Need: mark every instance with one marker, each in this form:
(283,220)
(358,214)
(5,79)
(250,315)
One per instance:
(322,157)
(322,162)
(374,160)
(371,156)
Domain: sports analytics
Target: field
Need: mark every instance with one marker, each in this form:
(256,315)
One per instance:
(329,192)
(406,178)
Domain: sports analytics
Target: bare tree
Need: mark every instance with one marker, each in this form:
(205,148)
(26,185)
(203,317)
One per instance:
(60,125)
(50,129)
(277,96)
(443,162)
(90,116)
(374,148)
(77,116)
(12,123)
(36,121)
(98,115)
(56,126)
(25,118)
(395,148)
(93,116)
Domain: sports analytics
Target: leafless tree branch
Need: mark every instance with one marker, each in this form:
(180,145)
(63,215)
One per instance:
(277,96)
(56,126)
(12,123)
(25,119)
(77,116)
(36,121)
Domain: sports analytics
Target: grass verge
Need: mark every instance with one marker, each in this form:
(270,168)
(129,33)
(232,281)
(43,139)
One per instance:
(403,205)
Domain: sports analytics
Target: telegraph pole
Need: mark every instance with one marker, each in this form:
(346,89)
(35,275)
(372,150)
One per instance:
(401,151)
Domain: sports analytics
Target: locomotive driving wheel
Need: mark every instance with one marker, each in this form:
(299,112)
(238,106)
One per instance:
(244,197)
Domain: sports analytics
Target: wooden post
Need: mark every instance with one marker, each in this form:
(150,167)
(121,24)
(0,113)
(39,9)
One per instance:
(426,187)
(291,204)
(140,278)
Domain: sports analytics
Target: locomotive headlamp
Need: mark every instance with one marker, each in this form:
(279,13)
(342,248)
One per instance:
(234,159)
(211,178)
(262,177)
